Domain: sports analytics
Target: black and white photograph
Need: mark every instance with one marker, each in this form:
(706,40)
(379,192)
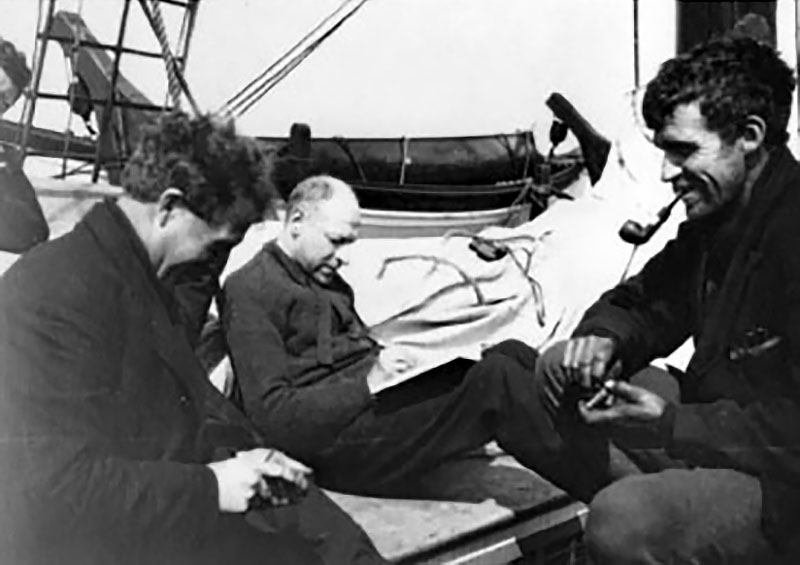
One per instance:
(436,282)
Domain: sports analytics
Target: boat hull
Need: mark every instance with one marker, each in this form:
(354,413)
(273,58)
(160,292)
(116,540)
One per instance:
(470,160)
(396,224)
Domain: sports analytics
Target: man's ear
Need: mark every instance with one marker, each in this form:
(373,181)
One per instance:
(294,219)
(166,204)
(755,132)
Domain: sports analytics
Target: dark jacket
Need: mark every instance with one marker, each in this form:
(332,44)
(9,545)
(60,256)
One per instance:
(740,405)
(22,223)
(101,407)
(299,351)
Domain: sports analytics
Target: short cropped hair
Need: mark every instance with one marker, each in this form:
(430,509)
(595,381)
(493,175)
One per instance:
(14,65)
(225,177)
(731,78)
(313,190)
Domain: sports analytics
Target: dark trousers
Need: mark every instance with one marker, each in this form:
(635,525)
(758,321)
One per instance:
(645,507)
(417,425)
(321,526)
(313,531)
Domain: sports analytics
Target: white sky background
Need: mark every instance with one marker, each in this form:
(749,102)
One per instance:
(398,67)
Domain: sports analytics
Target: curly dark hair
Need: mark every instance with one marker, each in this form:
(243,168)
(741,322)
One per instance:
(732,78)
(225,177)
(13,63)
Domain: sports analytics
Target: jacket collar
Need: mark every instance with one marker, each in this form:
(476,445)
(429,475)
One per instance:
(300,276)
(338,295)
(769,188)
(292,267)
(119,241)
(121,244)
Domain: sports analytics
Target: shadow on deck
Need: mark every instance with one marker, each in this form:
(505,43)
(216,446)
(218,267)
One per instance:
(480,509)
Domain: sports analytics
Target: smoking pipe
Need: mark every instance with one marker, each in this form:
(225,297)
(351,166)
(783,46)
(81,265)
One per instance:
(636,234)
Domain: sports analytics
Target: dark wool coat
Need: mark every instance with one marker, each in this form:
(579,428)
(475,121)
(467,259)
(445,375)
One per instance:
(740,397)
(107,419)
(300,352)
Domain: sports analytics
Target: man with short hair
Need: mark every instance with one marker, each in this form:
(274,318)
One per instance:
(317,385)
(22,223)
(701,466)
(114,446)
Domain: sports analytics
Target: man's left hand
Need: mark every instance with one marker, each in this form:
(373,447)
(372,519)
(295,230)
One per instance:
(632,405)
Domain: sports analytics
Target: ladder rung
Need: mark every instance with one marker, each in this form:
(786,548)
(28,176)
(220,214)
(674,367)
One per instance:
(104,46)
(117,103)
(181,3)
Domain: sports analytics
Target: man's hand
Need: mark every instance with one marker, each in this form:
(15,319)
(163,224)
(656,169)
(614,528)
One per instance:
(632,405)
(392,362)
(239,479)
(588,360)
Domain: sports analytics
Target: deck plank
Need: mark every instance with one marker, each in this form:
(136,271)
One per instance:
(465,504)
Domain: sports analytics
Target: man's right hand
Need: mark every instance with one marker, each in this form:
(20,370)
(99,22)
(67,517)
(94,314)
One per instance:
(239,479)
(588,360)
(393,361)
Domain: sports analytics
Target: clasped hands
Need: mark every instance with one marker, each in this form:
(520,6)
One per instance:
(591,363)
(259,476)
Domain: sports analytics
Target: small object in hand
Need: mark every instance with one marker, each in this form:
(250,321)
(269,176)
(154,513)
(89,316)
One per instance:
(280,493)
(602,397)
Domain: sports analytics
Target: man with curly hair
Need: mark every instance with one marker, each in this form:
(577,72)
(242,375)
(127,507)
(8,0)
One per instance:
(114,446)
(701,466)
(22,223)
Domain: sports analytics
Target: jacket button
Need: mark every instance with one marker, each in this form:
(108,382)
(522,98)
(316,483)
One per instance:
(184,400)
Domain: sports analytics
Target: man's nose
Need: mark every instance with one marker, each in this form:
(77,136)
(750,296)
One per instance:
(342,254)
(669,170)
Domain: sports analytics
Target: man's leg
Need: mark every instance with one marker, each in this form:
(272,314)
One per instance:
(438,416)
(321,524)
(419,424)
(583,459)
(237,542)
(507,397)
(679,516)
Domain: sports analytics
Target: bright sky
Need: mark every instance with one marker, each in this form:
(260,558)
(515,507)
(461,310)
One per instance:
(399,67)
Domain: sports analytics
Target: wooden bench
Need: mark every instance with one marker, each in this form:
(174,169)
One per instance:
(476,510)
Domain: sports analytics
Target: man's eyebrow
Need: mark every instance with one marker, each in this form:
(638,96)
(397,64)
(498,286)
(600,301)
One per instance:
(341,238)
(675,144)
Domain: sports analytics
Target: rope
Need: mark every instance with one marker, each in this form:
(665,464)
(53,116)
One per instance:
(529,146)
(160,30)
(236,98)
(271,82)
(254,91)
(183,37)
(405,161)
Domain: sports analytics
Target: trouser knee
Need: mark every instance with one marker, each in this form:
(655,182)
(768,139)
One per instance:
(550,378)
(624,523)
(495,376)
(522,353)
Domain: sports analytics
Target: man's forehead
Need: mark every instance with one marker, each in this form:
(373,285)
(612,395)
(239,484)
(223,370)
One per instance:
(336,209)
(685,123)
